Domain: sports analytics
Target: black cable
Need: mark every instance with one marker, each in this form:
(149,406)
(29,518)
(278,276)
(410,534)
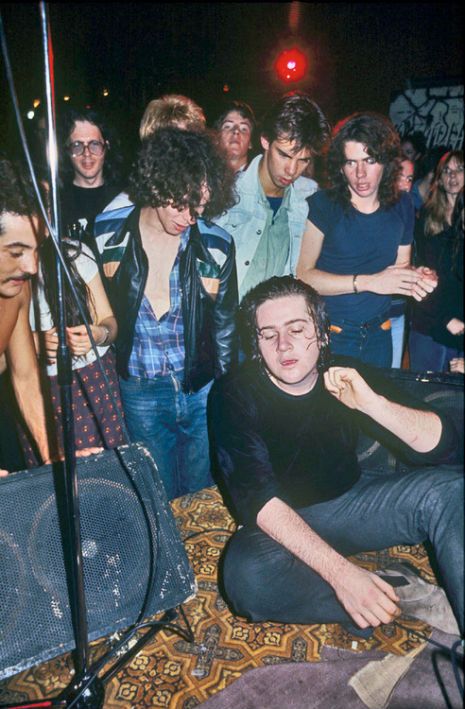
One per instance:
(455,667)
(451,652)
(206,531)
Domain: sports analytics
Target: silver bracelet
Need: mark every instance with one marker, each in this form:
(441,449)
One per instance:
(106,338)
(354,283)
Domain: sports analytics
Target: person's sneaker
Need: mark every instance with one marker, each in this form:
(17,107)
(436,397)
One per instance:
(420,599)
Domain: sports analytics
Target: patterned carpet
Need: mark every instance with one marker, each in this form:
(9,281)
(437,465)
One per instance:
(172,673)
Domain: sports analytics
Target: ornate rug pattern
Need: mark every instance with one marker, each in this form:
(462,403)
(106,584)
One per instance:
(169,672)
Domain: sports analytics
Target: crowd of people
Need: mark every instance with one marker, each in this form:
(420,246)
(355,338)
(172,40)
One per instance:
(242,309)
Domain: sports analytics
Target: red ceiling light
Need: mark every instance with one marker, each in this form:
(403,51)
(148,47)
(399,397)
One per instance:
(291,65)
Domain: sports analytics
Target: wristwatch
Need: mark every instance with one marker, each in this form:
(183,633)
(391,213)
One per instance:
(107,336)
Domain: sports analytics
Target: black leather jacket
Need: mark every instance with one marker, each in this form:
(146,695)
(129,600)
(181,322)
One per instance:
(209,321)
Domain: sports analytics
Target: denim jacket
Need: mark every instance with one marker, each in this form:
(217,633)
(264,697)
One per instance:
(247,219)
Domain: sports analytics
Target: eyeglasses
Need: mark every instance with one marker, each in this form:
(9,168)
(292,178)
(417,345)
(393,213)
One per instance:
(78,147)
(448,171)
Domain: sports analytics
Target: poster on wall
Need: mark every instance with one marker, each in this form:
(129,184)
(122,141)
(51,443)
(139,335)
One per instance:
(434,110)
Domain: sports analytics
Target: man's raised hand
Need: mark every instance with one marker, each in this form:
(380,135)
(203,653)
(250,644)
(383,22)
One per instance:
(349,387)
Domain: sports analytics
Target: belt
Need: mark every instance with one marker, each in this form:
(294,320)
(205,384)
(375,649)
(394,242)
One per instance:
(370,324)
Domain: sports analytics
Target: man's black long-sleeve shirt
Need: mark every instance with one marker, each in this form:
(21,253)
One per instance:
(301,449)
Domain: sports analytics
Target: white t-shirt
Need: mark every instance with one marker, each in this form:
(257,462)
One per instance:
(87,269)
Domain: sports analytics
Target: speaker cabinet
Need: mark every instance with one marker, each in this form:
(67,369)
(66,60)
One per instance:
(441,392)
(127,529)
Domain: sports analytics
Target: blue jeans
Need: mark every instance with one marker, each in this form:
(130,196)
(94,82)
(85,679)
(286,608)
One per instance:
(263,581)
(397,336)
(427,355)
(173,426)
(368,342)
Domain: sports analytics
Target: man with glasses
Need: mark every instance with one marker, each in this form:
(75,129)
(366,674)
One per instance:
(235,127)
(268,220)
(90,172)
(284,429)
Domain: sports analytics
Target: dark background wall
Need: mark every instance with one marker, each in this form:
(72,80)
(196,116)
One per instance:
(359,53)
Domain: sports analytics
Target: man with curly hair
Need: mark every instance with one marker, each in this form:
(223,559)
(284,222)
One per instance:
(20,231)
(168,111)
(268,221)
(172,283)
(357,242)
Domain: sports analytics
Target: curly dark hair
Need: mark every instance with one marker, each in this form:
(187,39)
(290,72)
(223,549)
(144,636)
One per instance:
(16,191)
(174,166)
(380,140)
(112,167)
(279,287)
(296,117)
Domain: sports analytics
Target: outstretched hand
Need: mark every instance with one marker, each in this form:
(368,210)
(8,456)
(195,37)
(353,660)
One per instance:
(79,454)
(417,282)
(349,387)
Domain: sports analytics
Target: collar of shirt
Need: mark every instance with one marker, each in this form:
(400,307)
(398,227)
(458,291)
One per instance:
(285,204)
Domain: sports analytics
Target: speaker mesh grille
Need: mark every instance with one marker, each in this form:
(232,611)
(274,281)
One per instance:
(120,536)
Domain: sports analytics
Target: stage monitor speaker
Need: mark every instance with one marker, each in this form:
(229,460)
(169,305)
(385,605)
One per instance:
(126,523)
(442,392)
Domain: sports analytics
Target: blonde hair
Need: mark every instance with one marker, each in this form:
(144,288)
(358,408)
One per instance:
(171,111)
(437,207)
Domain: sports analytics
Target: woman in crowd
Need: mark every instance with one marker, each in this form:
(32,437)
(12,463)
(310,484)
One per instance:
(437,325)
(96,422)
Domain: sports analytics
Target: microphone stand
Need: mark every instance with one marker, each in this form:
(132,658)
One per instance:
(92,697)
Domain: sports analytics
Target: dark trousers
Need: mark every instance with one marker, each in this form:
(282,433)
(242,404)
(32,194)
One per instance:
(263,581)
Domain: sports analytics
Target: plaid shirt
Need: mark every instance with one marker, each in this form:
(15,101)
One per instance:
(158,347)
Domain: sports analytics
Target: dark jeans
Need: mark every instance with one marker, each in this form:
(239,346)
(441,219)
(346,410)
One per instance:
(369,342)
(173,426)
(263,581)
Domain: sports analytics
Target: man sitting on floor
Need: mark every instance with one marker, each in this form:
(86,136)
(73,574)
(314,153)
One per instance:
(285,436)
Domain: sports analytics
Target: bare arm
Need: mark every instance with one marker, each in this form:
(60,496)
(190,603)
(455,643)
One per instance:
(421,430)
(104,327)
(22,362)
(368,599)
(397,279)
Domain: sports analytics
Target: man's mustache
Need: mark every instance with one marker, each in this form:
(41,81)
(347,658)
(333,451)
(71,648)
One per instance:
(23,277)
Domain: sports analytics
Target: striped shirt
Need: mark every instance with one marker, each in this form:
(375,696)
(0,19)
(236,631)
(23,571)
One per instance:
(158,347)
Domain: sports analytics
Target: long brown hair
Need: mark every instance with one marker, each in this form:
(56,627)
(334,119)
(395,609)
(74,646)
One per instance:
(437,207)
